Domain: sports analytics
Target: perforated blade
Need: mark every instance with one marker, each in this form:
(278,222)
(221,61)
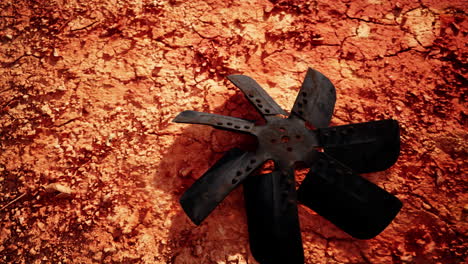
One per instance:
(211,188)
(274,233)
(261,100)
(364,147)
(316,99)
(354,204)
(219,121)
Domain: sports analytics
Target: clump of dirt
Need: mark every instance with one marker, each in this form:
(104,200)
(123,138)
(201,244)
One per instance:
(91,167)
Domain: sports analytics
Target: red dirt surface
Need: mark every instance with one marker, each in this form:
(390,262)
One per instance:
(88,90)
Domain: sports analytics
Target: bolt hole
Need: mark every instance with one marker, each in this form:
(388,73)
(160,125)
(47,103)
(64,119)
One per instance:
(304,101)
(300,105)
(220,124)
(246,127)
(273,141)
(298,136)
(237,127)
(238,173)
(257,100)
(251,95)
(267,110)
(259,105)
(234,181)
(304,94)
(229,124)
(285,139)
(289,149)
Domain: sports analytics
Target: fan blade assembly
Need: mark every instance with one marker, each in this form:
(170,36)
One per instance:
(332,187)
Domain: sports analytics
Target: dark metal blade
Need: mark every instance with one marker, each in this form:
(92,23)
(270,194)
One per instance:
(364,147)
(354,204)
(273,223)
(316,99)
(218,121)
(211,188)
(256,95)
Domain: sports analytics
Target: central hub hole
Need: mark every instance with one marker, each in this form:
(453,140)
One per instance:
(285,139)
(319,149)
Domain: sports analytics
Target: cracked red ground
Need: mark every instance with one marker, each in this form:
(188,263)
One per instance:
(88,90)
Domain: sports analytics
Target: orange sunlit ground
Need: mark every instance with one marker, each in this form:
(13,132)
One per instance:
(88,90)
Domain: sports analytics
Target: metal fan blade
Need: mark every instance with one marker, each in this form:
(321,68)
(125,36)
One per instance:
(218,121)
(364,147)
(256,95)
(211,188)
(354,204)
(273,223)
(316,99)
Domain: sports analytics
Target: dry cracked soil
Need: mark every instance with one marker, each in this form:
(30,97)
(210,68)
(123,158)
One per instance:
(91,166)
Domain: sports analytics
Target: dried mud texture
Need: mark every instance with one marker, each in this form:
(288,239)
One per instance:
(88,90)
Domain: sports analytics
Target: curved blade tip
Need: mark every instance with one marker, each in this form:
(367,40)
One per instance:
(236,76)
(188,209)
(377,231)
(183,116)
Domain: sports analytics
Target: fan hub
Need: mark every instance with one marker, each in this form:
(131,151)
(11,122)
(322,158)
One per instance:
(288,140)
